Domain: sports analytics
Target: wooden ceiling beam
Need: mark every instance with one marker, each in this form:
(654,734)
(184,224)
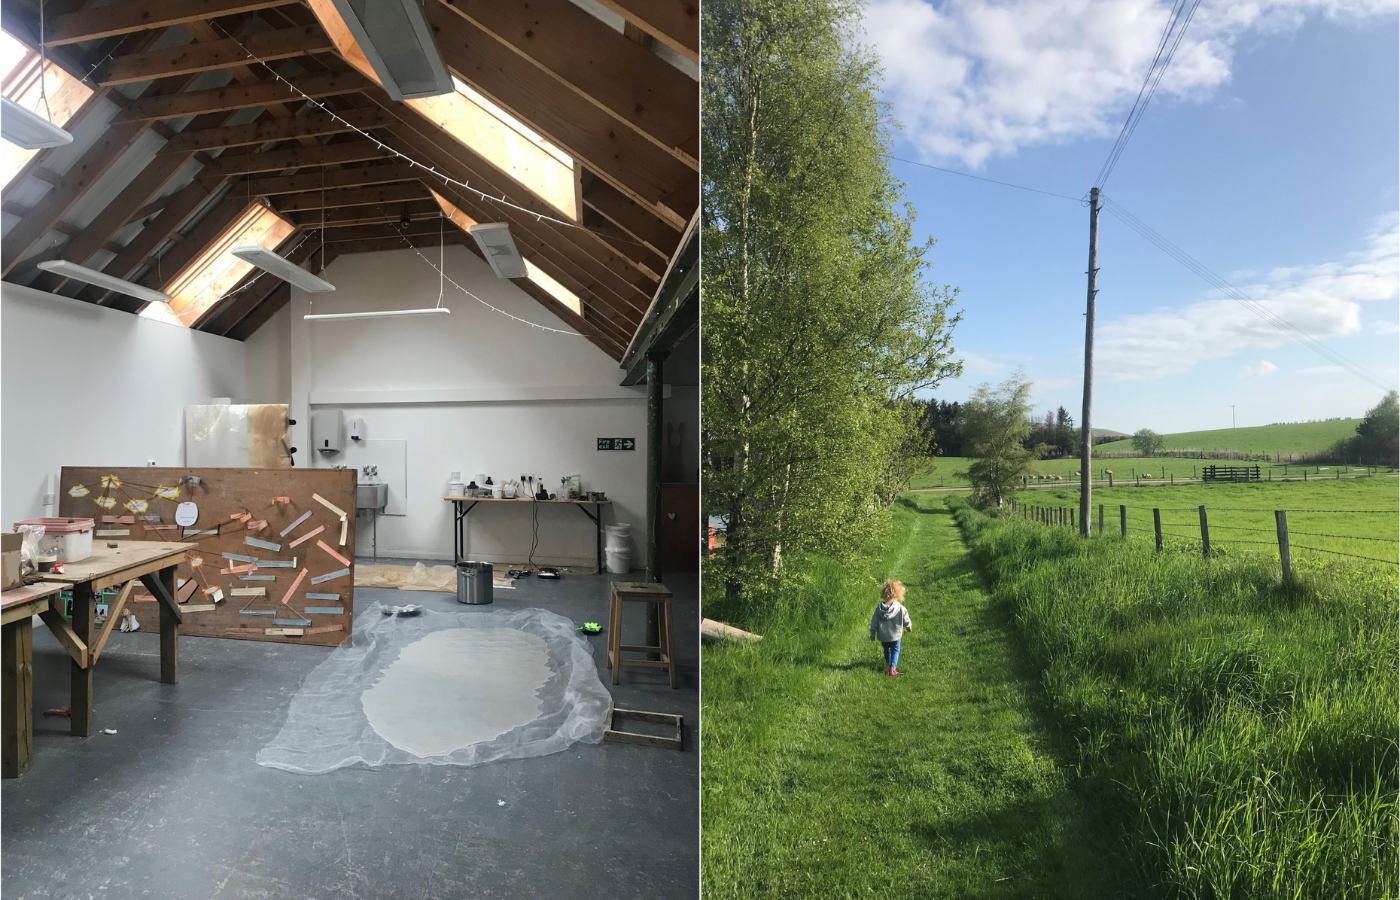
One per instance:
(657,181)
(327,178)
(359,215)
(128,16)
(294,158)
(269,130)
(584,55)
(79,177)
(183,250)
(206,56)
(675,23)
(239,96)
(620,210)
(377,195)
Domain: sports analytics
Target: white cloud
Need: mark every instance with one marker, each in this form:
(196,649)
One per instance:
(1258,370)
(1325,300)
(975,79)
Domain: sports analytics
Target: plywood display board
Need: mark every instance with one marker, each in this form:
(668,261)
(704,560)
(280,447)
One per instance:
(276,557)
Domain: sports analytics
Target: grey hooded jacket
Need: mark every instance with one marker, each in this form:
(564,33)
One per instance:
(889,621)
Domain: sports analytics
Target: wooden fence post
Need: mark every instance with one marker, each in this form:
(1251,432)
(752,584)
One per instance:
(1071,518)
(1100,518)
(1205,534)
(1157,527)
(1305,474)
(1281,522)
(1123,520)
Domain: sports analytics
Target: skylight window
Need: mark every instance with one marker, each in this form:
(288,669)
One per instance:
(478,124)
(553,288)
(23,70)
(216,271)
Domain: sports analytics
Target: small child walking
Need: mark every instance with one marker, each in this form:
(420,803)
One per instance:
(889,622)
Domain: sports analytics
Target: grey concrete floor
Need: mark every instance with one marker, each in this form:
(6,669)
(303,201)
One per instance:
(173,805)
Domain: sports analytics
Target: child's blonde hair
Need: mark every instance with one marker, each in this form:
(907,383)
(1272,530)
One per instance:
(892,590)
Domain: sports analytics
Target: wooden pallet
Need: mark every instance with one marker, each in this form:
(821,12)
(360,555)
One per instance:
(648,740)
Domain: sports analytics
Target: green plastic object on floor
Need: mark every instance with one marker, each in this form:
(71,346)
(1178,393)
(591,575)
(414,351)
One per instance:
(590,628)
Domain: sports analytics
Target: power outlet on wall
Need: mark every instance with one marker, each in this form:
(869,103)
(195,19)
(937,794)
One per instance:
(150,462)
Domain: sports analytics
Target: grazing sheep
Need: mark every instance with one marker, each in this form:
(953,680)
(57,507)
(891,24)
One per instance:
(1146,476)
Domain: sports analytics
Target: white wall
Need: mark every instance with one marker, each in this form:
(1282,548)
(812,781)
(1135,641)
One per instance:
(269,360)
(81,384)
(470,392)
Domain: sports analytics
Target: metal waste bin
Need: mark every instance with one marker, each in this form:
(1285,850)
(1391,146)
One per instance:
(474,582)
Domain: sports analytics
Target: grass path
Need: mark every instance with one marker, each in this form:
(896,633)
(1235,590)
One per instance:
(940,783)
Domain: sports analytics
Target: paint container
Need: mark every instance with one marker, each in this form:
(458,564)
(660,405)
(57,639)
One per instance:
(474,583)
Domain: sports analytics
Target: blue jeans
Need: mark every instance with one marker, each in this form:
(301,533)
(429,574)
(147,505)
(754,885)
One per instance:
(891,654)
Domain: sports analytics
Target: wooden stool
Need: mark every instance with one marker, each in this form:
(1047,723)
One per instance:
(641,592)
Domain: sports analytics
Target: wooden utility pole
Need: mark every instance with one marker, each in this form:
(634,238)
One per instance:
(1086,451)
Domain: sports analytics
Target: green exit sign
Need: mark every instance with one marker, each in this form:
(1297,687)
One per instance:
(617,443)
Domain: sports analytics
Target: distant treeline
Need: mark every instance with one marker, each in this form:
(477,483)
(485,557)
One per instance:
(1052,436)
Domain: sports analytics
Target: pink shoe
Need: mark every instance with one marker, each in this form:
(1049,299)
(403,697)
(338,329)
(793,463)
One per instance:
(894,672)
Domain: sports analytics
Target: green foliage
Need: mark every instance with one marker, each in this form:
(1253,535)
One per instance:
(1378,435)
(1248,730)
(1147,442)
(819,323)
(994,431)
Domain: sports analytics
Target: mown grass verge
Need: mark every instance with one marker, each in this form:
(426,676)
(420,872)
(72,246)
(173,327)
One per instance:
(824,777)
(1248,730)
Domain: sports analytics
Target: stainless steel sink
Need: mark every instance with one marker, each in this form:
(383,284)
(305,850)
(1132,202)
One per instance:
(371,496)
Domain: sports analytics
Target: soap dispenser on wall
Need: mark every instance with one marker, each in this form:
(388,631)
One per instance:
(357,429)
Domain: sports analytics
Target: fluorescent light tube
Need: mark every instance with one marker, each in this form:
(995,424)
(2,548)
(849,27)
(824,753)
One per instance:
(92,276)
(283,268)
(377,314)
(399,46)
(499,249)
(29,130)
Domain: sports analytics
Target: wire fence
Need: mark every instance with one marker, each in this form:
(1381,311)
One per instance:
(1215,531)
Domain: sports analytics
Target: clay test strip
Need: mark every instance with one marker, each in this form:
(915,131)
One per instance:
(301,576)
(296,523)
(306,537)
(238,569)
(326,547)
(344,524)
(339,513)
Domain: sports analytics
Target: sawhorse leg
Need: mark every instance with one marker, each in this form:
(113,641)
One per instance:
(597,521)
(17,651)
(162,586)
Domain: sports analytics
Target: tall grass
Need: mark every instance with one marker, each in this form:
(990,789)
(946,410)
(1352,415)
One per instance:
(1246,730)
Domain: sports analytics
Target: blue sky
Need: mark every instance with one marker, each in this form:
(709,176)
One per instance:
(1269,153)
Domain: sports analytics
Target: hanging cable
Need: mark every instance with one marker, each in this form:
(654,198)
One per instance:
(1177,23)
(1019,187)
(1203,272)
(442,271)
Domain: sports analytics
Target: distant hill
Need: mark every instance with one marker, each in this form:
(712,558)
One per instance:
(1294,437)
(1109,432)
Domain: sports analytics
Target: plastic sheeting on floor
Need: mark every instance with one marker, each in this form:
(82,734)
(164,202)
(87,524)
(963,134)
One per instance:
(444,688)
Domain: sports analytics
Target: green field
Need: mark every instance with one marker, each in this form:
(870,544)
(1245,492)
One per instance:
(823,777)
(1294,437)
(1245,731)
(1326,518)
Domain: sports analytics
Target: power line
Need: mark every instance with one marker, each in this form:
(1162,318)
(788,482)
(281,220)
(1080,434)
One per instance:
(1181,15)
(1019,187)
(1202,271)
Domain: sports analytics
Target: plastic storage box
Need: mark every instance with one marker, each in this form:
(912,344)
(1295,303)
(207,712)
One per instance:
(68,539)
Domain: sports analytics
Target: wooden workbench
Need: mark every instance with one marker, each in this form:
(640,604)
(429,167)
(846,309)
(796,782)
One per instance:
(18,607)
(461,506)
(153,564)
